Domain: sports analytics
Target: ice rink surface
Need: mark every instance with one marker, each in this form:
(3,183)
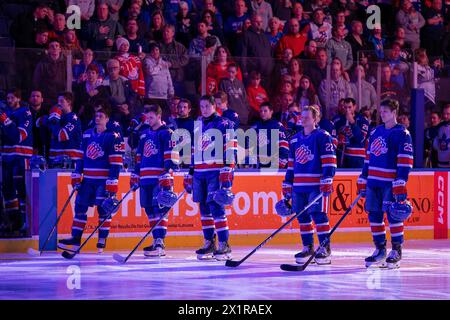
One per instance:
(424,274)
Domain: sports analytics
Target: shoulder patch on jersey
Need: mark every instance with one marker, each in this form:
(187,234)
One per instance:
(294,140)
(86,135)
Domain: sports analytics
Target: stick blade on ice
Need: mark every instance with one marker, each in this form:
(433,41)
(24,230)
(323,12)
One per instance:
(33,252)
(232,263)
(290,267)
(118,258)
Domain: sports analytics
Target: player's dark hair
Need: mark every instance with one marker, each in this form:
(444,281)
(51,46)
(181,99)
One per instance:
(16,92)
(103,106)
(350,100)
(208,98)
(156,109)
(183,100)
(392,104)
(266,104)
(68,96)
(222,96)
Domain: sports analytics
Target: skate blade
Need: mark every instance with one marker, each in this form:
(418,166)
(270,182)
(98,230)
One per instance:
(65,247)
(204,257)
(379,264)
(155,254)
(322,261)
(222,257)
(395,265)
(304,260)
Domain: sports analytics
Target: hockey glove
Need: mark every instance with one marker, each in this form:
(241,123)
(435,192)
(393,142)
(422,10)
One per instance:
(134,181)
(399,190)
(166,182)
(287,190)
(326,186)
(55,114)
(361,186)
(112,186)
(188,182)
(4,119)
(282,163)
(226,177)
(76,180)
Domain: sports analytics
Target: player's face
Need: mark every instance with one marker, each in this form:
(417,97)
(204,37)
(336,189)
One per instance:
(307,119)
(64,104)
(265,113)
(206,108)
(101,119)
(153,119)
(183,110)
(12,100)
(446,114)
(349,108)
(36,98)
(387,115)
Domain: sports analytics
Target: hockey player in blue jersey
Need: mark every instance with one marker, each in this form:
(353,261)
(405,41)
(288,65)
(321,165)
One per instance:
(17,149)
(96,177)
(155,161)
(265,143)
(389,159)
(210,178)
(65,129)
(351,129)
(311,168)
(221,99)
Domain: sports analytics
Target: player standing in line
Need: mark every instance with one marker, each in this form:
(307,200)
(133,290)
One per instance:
(389,159)
(154,161)
(311,168)
(17,149)
(99,168)
(351,129)
(210,178)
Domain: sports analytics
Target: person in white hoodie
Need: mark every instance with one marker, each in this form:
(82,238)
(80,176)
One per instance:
(158,82)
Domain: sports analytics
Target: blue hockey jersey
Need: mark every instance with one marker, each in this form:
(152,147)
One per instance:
(311,158)
(233,117)
(389,156)
(65,136)
(155,155)
(264,147)
(17,140)
(102,155)
(204,158)
(352,136)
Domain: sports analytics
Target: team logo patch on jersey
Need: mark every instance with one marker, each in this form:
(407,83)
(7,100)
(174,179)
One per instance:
(303,154)
(206,142)
(150,149)
(378,147)
(262,139)
(94,151)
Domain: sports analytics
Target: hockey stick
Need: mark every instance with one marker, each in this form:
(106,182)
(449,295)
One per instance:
(290,267)
(68,255)
(37,253)
(233,263)
(121,259)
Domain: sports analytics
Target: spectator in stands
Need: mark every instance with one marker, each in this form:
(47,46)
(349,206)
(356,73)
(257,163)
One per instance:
(389,88)
(156,27)
(306,94)
(256,51)
(158,82)
(274,33)
(405,48)
(59,26)
(211,24)
(281,68)
(122,98)
(320,30)
(101,32)
(297,13)
(204,44)
(72,45)
(337,47)
(41,137)
(237,96)
(357,40)
(398,66)
(318,71)
(137,43)
(114,8)
(86,93)
(80,70)
(430,134)
(50,75)
(87,8)
(334,89)
(263,9)
(363,92)
(433,31)
(411,21)
(130,66)
(24,27)
(294,40)
(426,78)
(377,42)
(142,18)
(310,50)
(209,5)
(218,68)
(296,72)
(282,9)
(340,22)
(185,24)
(256,94)
(175,54)
(234,25)
(403,119)
(283,98)
(211,86)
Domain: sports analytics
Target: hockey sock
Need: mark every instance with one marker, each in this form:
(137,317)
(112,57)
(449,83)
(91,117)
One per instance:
(221,225)
(306,232)
(377,227)
(208,227)
(79,222)
(160,230)
(103,231)
(396,229)
(322,225)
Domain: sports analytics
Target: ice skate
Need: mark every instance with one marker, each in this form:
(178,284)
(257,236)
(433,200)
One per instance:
(101,244)
(394,257)
(156,249)
(305,254)
(207,251)
(377,257)
(323,255)
(223,252)
(70,244)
